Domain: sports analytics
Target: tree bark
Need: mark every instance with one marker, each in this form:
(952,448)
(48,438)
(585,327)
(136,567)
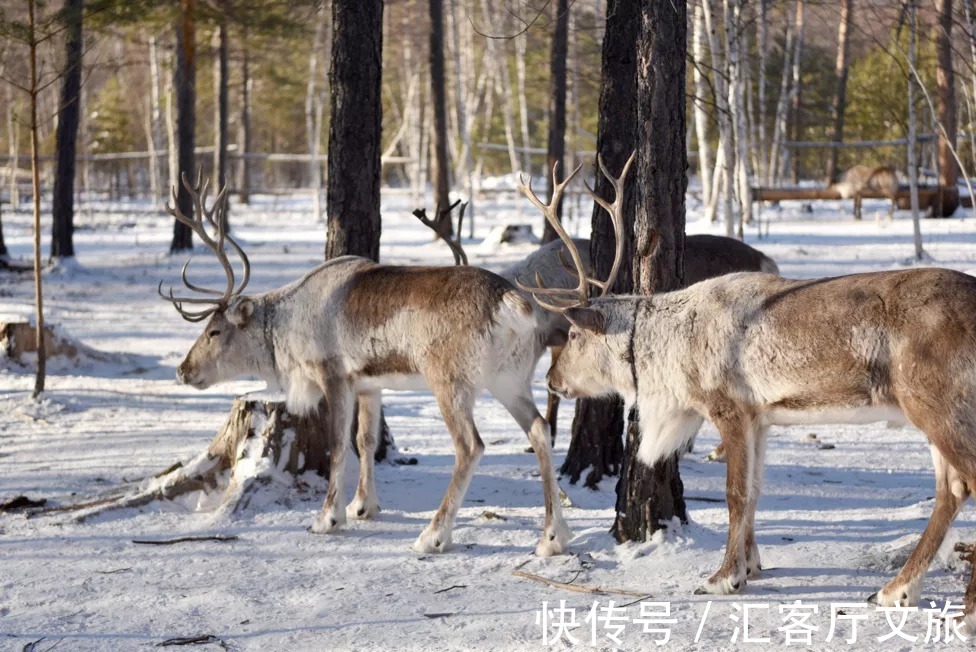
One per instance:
(796,96)
(701,115)
(66,138)
(725,158)
(776,151)
(353,195)
(256,429)
(839,103)
(220,116)
(596,442)
(912,163)
(439,100)
(244,137)
(946,101)
(152,121)
(649,498)
(184,82)
(355,139)
(556,143)
(41,374)
(734,34)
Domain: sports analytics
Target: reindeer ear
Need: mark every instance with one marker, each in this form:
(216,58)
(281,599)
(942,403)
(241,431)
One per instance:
(587,319)
(239,313)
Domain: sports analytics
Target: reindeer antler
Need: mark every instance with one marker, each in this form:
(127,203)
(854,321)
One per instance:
(580,295)
(460,258)
(198,223)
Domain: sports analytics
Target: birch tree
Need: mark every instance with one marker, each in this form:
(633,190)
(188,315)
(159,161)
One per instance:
(701,115)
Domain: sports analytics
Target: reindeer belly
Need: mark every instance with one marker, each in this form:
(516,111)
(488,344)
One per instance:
(782,416)
(411,382)
(390,369)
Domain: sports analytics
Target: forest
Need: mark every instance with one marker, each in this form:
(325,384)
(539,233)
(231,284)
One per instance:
(675,148)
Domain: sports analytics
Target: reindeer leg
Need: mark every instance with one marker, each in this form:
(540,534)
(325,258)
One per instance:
(365,504)
(753,562)
(456,402)
(950,494)
(339,401)
(737,437)
(555,532)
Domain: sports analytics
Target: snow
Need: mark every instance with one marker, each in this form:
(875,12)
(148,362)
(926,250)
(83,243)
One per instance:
(833,525)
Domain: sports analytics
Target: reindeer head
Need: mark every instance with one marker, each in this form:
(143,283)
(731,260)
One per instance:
(589,363)
(229,345)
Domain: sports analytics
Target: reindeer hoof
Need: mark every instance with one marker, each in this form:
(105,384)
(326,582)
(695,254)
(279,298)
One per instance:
(555,540)
(431,541)
(721,586)
(904,595)
(362,508)
(328,521)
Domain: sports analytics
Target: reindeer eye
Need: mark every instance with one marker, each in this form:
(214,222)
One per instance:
(213,333)
(573,335)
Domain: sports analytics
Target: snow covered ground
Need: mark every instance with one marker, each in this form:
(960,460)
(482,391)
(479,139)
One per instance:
(834,524)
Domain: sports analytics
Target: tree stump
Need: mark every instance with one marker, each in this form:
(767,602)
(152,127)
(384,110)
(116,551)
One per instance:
(260,444)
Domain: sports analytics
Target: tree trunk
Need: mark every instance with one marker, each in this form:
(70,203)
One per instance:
(724,174)
(313,112)
(763,131)
(946,100)
(66,139)
(776,152)
(701,115)
(734,32)
(912,163)
(353,195)
(840,90)
(521,45)
(439,99)
(596,442)
(39,378)
(649,498)
(152,121)
(244,138)
(796,97)
(556,143)
(355,131)
(220,115)
(184,82)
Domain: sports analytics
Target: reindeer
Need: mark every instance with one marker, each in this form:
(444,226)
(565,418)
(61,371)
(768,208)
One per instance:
(864,178)
(749,351)
(706,256)
(352,327)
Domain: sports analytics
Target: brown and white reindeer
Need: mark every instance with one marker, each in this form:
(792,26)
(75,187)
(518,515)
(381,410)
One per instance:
(861,179)
(749,351)
(352,327)
(706,256)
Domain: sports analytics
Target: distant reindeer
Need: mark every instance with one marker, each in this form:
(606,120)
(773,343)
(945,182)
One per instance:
(860,179)
(352,327)
(706,256)
(749,351)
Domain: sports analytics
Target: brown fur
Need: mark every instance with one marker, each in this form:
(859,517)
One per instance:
(379,292)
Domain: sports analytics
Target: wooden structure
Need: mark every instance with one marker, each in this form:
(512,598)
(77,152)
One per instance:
(927,195)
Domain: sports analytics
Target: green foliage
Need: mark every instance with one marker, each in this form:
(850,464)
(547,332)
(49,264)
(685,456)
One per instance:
(112,126)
